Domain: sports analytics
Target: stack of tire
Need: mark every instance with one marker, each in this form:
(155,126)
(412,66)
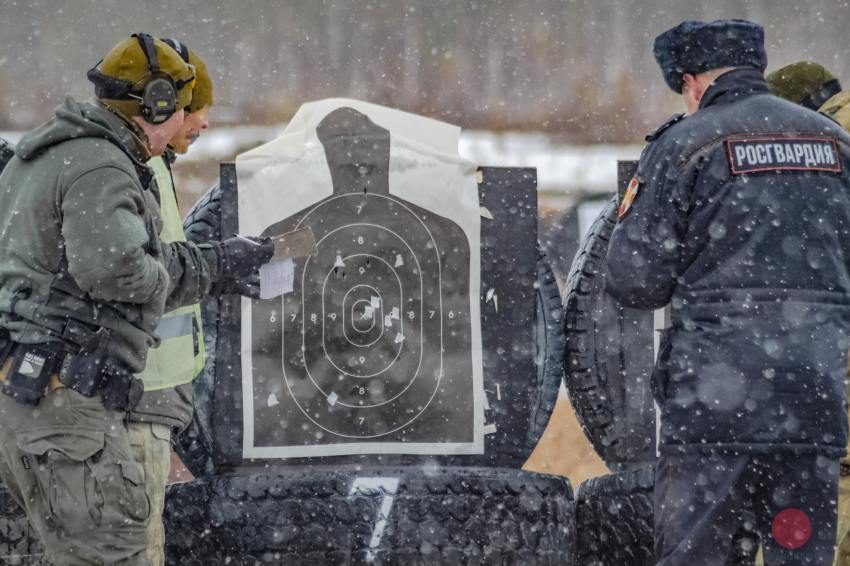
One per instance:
(394,509)
(614,513)
(608,363)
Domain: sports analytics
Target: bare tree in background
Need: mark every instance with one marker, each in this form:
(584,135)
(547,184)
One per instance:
(581,69)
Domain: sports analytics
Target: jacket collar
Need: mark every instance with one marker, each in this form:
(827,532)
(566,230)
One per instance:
(733,86)
(132,135)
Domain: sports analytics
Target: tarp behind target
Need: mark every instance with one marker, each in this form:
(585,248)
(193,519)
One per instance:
(378,348)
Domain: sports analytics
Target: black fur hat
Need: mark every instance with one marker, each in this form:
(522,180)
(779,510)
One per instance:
(695,47)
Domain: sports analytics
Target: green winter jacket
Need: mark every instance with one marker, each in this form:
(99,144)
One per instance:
(79,225)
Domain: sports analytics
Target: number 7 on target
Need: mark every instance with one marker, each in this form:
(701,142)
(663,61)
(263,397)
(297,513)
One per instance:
(386,487)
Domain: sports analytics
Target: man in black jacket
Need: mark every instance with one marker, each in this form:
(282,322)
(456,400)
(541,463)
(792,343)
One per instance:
(739,218)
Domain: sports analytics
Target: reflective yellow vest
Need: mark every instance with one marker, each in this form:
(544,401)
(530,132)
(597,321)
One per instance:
(180,356)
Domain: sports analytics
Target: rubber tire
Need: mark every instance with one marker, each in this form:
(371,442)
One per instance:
(19,544)
(441,515)
(615,522)
(613,406)
(550,342)
(196,445)
(614,519)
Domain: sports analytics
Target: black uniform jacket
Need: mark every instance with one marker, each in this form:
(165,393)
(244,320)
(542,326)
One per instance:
(741,222)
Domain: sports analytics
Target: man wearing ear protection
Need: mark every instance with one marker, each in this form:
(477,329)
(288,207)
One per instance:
(83,284)
(195,270)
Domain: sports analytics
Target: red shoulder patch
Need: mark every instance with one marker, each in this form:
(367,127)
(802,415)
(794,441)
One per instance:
(629,197)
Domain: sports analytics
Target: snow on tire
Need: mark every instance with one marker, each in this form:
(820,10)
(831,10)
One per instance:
(550,342)
(615,522)
(614,519)
(407,515)
(609,358)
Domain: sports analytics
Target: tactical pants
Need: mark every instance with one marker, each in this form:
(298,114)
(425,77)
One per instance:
(699,499)
(68,463)
(151,445)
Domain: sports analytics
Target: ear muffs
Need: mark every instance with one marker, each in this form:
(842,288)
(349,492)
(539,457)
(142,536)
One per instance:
(158,98)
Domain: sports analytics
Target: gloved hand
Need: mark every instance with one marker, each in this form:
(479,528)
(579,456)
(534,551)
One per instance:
(241,257)
(248,287)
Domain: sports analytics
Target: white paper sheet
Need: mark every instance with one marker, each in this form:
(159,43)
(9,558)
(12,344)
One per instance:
(276,278)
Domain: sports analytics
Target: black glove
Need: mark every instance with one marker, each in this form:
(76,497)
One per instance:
(248,287)
(241,257)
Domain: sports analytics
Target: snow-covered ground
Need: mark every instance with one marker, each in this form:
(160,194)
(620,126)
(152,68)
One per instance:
(561,169)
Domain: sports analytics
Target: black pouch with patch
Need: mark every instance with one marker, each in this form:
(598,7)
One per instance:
(31,370)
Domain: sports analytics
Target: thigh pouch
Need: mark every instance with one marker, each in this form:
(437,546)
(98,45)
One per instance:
(81,486)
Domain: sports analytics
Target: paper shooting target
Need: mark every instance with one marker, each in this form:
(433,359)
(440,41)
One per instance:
(374,345)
